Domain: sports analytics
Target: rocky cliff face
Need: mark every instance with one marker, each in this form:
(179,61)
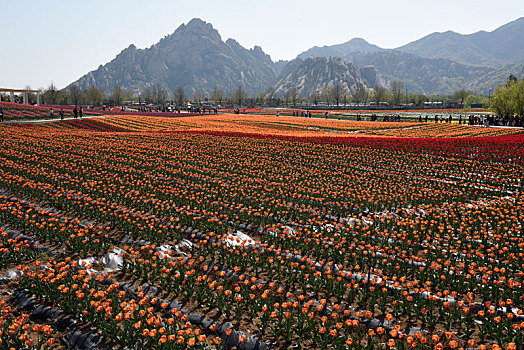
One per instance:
(314,74)
(194,57)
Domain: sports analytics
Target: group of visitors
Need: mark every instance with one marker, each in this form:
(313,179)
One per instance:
(444,119)
(495,120)
(385,118)
(303,114)
(482,119)
(391,118)
(77,111)
(209,110)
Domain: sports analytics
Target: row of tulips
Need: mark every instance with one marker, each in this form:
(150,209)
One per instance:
(284,126)
(317,245)
(434,190)
(52,227)
(392,234)
(124,320)
(508,317)
(322,285)
(117,111)
(17,111)
(155,204)
(326,251)
(303,127)
(17,332)
(14,250)
(91,124)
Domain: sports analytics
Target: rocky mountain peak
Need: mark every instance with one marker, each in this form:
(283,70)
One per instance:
(194,57)
(126,53)
(197,27)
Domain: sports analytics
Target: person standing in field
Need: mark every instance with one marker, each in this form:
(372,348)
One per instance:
(61,114)
(75,112)
(81,112)
(51,113)
(1,115)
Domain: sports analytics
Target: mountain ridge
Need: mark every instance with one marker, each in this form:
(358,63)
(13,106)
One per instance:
(338,50)
(482,48)
(196,58)
(492,49)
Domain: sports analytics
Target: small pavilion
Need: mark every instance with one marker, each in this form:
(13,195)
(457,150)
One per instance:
(24,94)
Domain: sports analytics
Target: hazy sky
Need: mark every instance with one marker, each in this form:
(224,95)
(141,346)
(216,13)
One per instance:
(60,40)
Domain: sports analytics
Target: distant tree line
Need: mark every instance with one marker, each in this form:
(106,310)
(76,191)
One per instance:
(331,95)
(508,100)
(73,95)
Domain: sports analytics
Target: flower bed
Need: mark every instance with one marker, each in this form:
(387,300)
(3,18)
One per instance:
(290,239)
(17,111)
(303,127)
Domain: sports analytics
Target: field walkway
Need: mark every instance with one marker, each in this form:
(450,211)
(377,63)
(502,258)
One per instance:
(50,120)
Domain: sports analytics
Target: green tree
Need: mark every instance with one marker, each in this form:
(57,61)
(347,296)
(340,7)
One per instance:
(117,96)
(294,96)
(159,94)
(314,98)
(461,95)
(269,96)
(287,97)
(179,96)
(516,98)
(94,96)
(327,94)
(476,99)
(130,97)
(238,96)
(361,95)
(51,95)
(500,103)
(75,94)
(197,97)
(338,92)
(511,79)
(508,100)
(420,99)
(397,89)
(147,95)
(347,98)
(379,94)
(217,95)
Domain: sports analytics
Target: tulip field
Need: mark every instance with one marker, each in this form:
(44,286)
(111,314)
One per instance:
(260,232)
